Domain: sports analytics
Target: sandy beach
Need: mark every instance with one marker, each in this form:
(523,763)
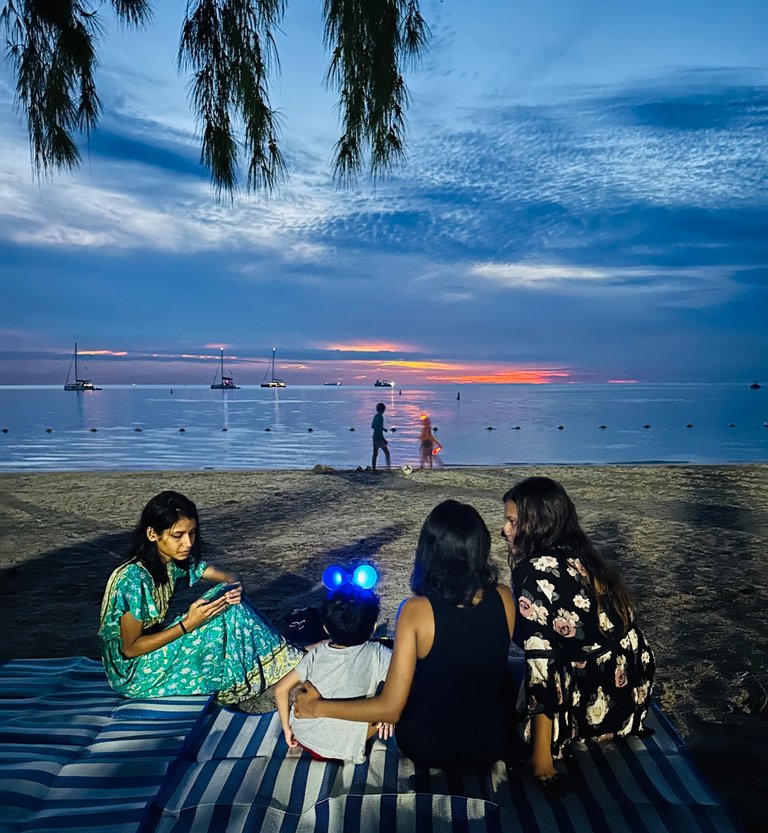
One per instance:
(690,541)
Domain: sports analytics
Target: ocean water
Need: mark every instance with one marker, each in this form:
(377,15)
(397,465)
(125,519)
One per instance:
(299,427)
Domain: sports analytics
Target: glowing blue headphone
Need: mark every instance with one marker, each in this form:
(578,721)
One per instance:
(364,576)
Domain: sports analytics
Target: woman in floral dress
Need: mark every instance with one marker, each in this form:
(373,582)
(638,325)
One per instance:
(589,670)
(221,644)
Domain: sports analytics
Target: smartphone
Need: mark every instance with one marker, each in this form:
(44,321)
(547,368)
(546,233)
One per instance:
(224,590)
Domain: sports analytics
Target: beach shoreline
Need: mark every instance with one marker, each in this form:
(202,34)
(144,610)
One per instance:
(690,541)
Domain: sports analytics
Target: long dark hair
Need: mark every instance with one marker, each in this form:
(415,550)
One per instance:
(547,524)
(453,556)
(161,513)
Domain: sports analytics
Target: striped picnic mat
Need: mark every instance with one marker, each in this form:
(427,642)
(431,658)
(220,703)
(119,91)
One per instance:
(239,775)
(76,756)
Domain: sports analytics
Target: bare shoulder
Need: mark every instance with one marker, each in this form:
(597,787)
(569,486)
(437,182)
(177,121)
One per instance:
(414,610)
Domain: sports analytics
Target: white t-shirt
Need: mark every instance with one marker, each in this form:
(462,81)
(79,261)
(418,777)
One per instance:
(354,671)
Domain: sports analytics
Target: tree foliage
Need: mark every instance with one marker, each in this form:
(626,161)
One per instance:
(229,48)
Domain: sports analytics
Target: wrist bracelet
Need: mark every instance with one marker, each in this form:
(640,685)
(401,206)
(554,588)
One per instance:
(183,629)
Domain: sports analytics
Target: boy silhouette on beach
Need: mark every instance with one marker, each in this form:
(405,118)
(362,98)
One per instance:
(347,665)
(378,436)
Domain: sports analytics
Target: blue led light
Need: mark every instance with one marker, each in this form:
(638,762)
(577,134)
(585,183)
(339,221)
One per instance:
(365,576)
(333,577)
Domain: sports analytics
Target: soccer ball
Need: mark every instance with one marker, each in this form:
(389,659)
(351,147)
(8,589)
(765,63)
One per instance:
(407,469)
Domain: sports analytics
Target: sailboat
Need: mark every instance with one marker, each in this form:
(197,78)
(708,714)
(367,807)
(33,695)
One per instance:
(78,384)
(227,382)
(273,383)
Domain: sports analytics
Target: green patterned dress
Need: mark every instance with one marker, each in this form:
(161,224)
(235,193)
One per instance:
(236,654)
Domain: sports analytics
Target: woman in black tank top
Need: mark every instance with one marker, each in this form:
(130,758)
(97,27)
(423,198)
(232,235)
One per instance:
(444,687)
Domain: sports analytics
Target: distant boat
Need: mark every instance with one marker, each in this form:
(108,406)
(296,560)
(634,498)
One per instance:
(273,382)
(754,386)
(383,383)
(333,384)
(227,382)
(78,384)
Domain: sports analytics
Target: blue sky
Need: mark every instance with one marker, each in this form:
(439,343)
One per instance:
(585,199)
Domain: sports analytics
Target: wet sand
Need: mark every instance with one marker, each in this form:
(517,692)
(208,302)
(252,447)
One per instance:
(690,541)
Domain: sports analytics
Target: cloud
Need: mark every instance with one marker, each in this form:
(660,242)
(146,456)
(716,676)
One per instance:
(526,228)
(694,288)
(537,275)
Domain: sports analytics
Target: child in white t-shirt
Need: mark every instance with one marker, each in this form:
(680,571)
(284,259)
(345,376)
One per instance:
(348,665)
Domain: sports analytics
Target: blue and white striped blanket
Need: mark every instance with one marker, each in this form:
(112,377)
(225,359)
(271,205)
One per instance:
(74,756)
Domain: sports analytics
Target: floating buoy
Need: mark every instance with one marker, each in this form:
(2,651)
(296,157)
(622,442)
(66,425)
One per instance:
(646,425)
(351,429)
(5,430)
(393,430)
(603,427)
(516,428)
(225,429)
(731,424)
(94,430)
(458,396)
(689,425)
(310,429)
(435,428)
(560,427)
(267,429)
(48,430)
(137,429)
(490,428)
(182,430)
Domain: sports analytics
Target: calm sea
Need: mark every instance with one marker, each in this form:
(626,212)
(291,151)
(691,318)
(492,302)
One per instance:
(140,427)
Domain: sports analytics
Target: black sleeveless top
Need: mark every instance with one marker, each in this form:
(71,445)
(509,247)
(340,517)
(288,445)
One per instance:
(455,715)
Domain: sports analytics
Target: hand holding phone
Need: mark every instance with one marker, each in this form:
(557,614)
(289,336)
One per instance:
(232,592)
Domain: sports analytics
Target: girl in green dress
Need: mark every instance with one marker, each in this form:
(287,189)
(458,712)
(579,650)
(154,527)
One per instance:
(221,644)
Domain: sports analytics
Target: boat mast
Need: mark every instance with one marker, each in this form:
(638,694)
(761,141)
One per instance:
(77,375)
(222,365)
(273,363)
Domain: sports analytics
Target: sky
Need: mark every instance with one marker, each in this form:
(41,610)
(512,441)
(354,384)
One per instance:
(584,200)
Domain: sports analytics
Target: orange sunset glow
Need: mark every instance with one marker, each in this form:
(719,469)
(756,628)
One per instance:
(370,347)
(437,371)
(506,377)
(420,365)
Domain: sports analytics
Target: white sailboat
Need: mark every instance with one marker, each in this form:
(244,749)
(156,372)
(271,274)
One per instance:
(78,384)
(227,382)
(273,382)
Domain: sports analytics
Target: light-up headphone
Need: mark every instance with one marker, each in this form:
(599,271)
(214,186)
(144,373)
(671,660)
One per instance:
(364,575)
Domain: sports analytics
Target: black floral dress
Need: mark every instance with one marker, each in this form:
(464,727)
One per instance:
(583,670)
